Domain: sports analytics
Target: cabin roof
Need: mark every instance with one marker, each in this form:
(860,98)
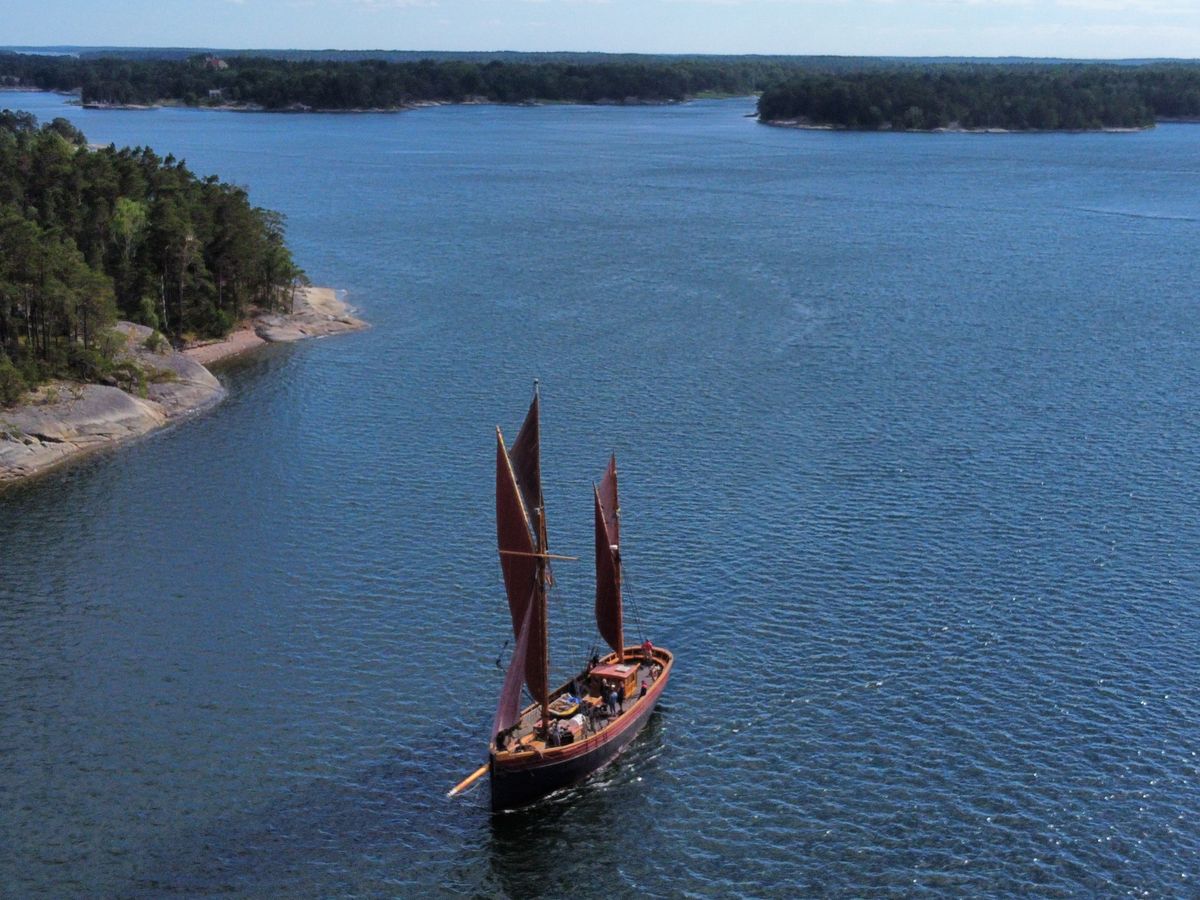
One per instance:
(614,670)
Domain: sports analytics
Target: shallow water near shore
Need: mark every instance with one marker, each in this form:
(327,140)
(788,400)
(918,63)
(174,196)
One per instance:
(908,436)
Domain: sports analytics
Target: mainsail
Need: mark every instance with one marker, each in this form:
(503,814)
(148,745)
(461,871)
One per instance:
(521,538)
(608,561)
(526,456)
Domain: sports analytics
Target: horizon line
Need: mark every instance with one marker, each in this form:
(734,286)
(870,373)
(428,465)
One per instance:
(21,48)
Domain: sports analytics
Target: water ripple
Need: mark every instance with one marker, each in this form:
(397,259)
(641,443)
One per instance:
(909,483)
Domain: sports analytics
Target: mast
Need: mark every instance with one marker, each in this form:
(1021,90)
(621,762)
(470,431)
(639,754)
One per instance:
(523,545)
(609,613)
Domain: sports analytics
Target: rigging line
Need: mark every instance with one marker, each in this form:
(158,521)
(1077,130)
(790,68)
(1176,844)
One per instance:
(581,636)
(587,617)
(568,622)
(596,641)
(568,618)
(573,626)
(637,616)
(500,655)
(577,634)
(580,633)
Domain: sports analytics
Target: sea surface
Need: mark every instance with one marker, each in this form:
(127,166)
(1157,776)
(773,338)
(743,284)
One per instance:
(909,436)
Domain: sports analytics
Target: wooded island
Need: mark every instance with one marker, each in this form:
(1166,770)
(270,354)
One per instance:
(1065,97)
(841,92)
(87,236)
(324,84)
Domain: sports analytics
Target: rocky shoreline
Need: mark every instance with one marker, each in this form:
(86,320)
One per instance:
(63,421)
(809,125)
(403,107)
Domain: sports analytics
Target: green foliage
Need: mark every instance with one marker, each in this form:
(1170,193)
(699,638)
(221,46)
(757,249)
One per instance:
(12,382)
(377,84)
(155,343)
(847,92)
(146,314)
(128,376)
(128,225)
(1025,97)
(87,236)
(67,131)
(87,363)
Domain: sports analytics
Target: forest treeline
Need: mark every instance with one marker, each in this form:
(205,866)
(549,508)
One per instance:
(841,91)
(378,84)
(1026,97)
(90,235)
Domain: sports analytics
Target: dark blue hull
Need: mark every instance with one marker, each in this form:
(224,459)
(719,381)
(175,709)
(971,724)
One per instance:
(528,777)
(514,787)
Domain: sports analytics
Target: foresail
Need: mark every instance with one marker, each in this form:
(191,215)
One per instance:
(519,563)
(508,710)
(608,560)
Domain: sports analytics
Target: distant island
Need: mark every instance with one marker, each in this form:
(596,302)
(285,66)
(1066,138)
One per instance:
(112,264)
(374,84)
(1087,97)
(863,93)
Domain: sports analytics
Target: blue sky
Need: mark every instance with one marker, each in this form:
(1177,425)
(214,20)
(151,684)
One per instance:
(1070,28)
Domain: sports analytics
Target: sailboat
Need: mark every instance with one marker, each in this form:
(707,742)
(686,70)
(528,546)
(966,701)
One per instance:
(571,731)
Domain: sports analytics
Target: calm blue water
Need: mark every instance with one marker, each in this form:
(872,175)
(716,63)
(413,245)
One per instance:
(908,436)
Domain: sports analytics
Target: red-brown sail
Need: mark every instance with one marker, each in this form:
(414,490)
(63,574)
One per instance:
(521,539)
(528,758)
(526,457)
(608,561)
(508,710)
(526,462)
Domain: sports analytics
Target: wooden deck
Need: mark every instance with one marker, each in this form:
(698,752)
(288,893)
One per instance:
(525,737)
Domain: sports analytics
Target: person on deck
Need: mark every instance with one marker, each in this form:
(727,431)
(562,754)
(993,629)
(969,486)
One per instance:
(647,649)
(612,701)
(645,687)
